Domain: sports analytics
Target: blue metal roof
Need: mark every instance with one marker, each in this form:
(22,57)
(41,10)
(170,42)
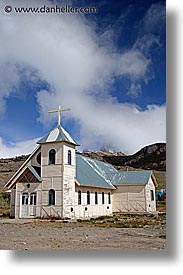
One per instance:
(93,173)
(132,177)
(57,134)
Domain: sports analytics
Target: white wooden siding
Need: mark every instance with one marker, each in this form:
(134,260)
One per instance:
(129,198)
(92,210)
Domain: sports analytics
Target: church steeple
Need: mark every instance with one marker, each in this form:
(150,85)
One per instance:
(58,133)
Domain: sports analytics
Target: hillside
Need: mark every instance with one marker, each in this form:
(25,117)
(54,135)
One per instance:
(149,157)
(8,167)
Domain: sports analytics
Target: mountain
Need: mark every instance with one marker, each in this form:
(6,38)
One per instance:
(100,155)
(9,166)
(150,157)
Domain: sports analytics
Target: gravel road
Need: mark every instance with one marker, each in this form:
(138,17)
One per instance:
(48,235)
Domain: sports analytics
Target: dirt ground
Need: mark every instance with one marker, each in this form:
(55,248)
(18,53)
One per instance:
(116,233)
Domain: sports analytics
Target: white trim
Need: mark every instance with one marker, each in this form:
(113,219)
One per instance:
(77,183)
(14,177)
(20,211)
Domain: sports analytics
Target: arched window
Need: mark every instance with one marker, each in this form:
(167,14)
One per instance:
(25,198)
(79,197)
(102,197)
(152,195)
(88,197)
(52,154)
(33,198)
(51,197)
(109,198)
(96,198)
(69,157)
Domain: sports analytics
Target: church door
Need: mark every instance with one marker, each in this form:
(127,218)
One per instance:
(24,208)
(28,205)
(32,206)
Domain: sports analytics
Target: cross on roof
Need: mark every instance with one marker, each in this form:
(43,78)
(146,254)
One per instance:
(59,113)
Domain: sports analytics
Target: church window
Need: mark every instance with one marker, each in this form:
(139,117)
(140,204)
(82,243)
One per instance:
(79,197)
(102,197)
(109,198)
(51,197)
(69,157)
(52,153)
(39,158)
(96,198)
(88,197)
(33,198)
(25,198)
(152,195)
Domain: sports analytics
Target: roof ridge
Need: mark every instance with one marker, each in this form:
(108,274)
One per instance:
(97,160)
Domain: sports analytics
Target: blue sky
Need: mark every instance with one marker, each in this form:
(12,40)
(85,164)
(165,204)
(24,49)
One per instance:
(109,68)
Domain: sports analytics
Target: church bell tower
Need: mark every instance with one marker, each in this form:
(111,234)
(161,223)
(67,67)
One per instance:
(58,169)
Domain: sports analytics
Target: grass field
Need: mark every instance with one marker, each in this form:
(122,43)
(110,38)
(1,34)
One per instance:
(161,179)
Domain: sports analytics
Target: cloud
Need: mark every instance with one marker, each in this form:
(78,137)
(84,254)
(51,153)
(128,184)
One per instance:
(132,63)
(154,19)
(17,149)
(9,80)
(122,126)
(146,42)
(135,65)
(66,52)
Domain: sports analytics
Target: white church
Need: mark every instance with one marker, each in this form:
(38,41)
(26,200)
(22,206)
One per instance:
(57,182)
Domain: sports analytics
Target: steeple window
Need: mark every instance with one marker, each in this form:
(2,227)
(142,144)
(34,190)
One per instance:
(52,154)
